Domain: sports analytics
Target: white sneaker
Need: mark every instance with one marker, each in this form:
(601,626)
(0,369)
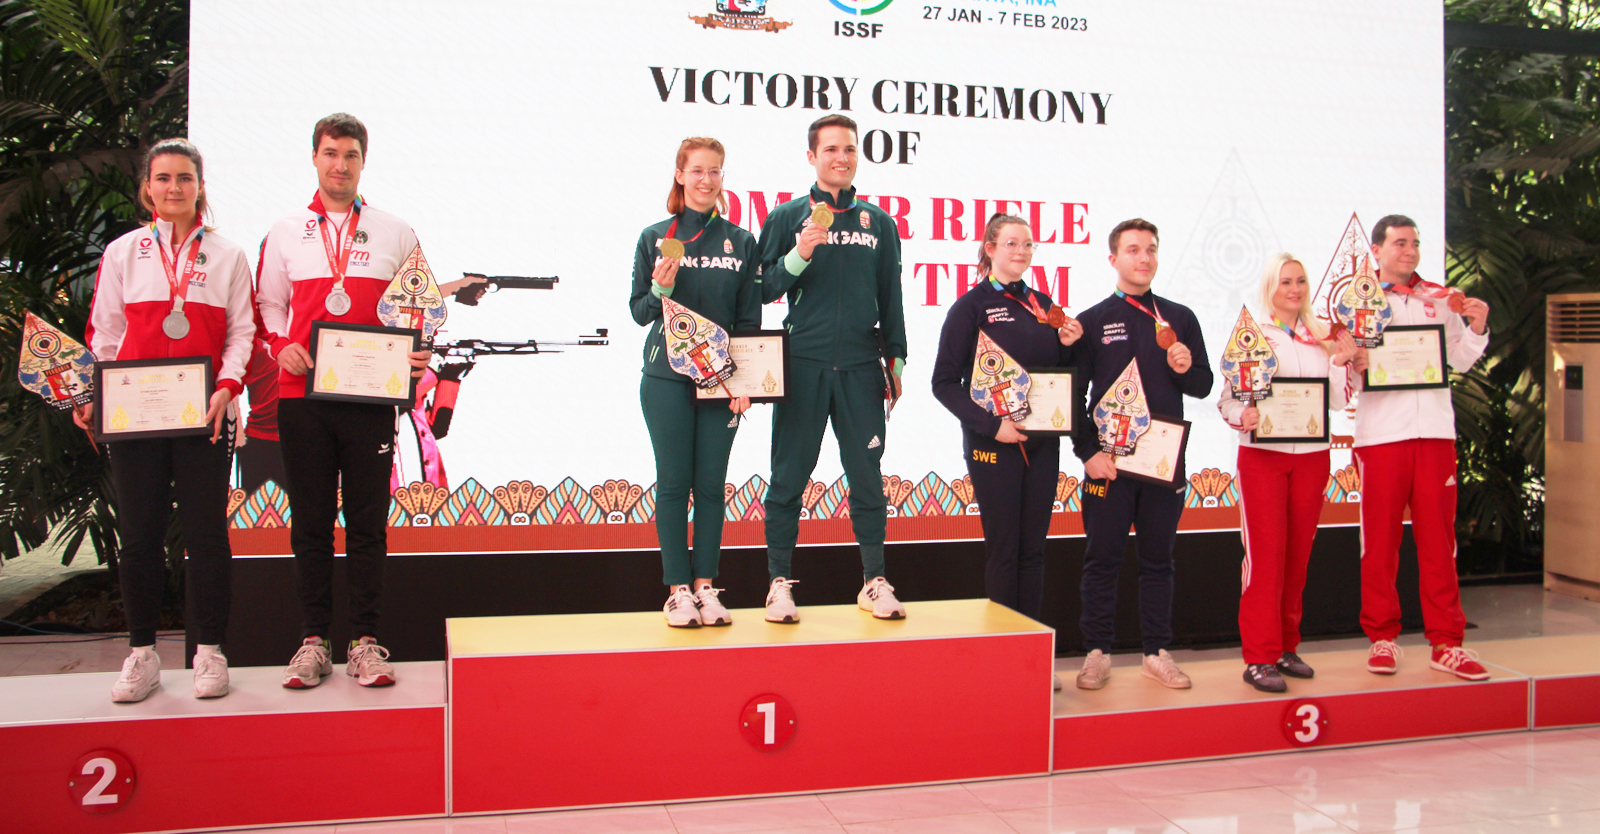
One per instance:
(210,672)
(368,663)
(780,602)
(310,664)
(1055,682)
(1162,669)
(712,612)
(141,674)
(1096,669)
(680,608)
(877,596)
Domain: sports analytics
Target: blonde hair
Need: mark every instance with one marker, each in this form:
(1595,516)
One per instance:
(1270,276)
(675,199)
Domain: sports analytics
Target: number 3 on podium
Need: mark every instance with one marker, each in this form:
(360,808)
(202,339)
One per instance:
(1305,723)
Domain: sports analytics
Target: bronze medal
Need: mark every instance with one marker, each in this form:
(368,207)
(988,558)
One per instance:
(822,216)
(671,248)
(1057,317)
(1458,301)
(1335,329)
(1166,337)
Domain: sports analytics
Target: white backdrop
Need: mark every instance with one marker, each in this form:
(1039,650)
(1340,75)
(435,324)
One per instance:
(531,139)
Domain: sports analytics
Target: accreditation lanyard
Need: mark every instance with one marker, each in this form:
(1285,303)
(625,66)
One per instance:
(1033,306)
(673,229)
(339,257)
(178,286)
(1155,314)
(1304,340)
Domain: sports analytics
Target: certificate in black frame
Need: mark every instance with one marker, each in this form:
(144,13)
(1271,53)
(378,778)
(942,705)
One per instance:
(101,369)
(1444,362)
(718,395)
(414,337)
(1177,468)
(1077,396)
(1255,434)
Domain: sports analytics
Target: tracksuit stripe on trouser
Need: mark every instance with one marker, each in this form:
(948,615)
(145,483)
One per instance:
(853,401)
(1280,501)
(1418,473)
(692,443)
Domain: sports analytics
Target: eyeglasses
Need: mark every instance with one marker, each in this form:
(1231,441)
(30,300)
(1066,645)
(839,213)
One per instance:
(1013,245)
(703,174)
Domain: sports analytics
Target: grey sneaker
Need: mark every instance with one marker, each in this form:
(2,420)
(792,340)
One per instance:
(141,674)
(1096,669)
(210,673)
(309,666)
(1265,677)
(780,602)
(1290,664)
(1162,669)
(368,663)
(680,609)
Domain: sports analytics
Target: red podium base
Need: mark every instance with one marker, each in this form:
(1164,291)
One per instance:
(1565,672)
(599,709)
(263,755)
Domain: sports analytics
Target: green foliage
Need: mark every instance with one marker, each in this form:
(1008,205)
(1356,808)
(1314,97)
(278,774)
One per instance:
(1522,177)
(85,85)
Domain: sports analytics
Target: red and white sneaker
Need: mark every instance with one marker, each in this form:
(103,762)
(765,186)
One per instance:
(1463,663)
(311,663)
(369,664)
(1384,656)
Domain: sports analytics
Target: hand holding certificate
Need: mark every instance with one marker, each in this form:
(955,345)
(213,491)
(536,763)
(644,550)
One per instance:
(362,363)
(144,398)
(1411,356)
(1050,402)
(1297,412)
(1158,458)
(761,368)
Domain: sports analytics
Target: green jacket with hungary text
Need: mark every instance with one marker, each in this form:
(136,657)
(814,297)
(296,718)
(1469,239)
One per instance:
(719,278)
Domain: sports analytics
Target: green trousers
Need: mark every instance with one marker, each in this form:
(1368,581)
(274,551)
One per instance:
(853,400)
(692,443)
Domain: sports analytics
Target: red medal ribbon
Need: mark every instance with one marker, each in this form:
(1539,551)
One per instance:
(1033,306)
(339,259)
(1427,289)
(813,204)
(1135,302)
(179,288)
(673,229)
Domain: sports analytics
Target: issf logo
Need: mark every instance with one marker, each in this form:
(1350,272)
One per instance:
(861,7)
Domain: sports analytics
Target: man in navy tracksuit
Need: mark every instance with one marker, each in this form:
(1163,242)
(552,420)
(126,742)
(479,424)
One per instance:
(1123,328)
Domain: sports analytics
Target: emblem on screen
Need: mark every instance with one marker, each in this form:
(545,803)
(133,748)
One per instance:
(748,15)
(861,7)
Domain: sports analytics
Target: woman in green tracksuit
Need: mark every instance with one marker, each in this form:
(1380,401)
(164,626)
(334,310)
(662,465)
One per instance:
(716,277)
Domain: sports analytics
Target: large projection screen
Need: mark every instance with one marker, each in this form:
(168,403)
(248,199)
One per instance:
(538,138)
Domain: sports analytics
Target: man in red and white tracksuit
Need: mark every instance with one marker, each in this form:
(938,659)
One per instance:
(330,262)
(1406,454)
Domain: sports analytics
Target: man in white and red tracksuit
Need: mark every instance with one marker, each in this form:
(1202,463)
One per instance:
(1405,452)
(330,262)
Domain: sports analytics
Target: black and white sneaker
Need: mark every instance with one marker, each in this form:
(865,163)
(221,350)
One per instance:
(1265,677)
(1290,664)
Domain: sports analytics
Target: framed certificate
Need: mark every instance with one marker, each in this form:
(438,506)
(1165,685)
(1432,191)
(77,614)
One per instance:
(1050,401)
(1296,412)
(760,368)
(1158,457)
(362,363)
(141,398)
(1411,356)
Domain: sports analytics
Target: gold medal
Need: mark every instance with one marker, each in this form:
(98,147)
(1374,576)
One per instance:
(822,216)
(671,248)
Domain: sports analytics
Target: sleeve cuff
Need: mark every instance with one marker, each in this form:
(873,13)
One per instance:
(233,386)
(794,263)
(276,346)
(661,292)
(899,366)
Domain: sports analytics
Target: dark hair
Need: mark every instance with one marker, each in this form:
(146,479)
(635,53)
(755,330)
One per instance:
(831,120)
(1136,224)
(991,233)
(174,147)
(340,126)
(1380,232)
(675,198)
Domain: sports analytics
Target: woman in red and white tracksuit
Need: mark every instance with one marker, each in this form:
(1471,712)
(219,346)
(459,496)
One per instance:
(174,288)
(1281,484)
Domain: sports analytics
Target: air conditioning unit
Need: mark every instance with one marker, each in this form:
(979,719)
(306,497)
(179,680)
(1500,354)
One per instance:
(1571,446)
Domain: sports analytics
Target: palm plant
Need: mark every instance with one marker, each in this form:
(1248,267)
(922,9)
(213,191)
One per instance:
(1521,183)
(84,86)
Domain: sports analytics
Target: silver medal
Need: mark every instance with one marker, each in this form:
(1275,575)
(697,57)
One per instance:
(175,325)
(338,302)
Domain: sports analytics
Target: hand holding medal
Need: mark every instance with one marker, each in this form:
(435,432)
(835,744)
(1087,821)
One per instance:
(815,233)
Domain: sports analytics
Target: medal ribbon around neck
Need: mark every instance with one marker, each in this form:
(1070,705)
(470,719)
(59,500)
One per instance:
(339,259)
(1427,289)
(1304,340)
(1039,312)
(1155,314)
(671,243)
(179,288)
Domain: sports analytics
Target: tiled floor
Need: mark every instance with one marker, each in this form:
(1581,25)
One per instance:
(1501,784)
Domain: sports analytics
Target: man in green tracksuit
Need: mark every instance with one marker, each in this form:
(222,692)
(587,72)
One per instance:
(839,266)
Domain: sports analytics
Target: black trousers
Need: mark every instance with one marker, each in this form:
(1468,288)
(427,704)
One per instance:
(1109,509)
(1015,500)
(328,445)
(147,474)
(260,461)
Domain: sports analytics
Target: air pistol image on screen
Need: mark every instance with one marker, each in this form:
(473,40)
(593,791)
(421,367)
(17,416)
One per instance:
(471,293)
(750,7)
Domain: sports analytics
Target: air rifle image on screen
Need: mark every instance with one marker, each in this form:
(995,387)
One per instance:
(471,349)
(471,294)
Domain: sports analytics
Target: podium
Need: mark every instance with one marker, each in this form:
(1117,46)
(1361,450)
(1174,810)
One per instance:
(606,709)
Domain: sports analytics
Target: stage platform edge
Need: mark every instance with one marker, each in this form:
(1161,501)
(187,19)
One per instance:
(261,756)
(959,690)
(1565,671)
(1136,721)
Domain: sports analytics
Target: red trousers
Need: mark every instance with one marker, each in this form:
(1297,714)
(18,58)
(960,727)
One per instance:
(1280,500)
(1420,473)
